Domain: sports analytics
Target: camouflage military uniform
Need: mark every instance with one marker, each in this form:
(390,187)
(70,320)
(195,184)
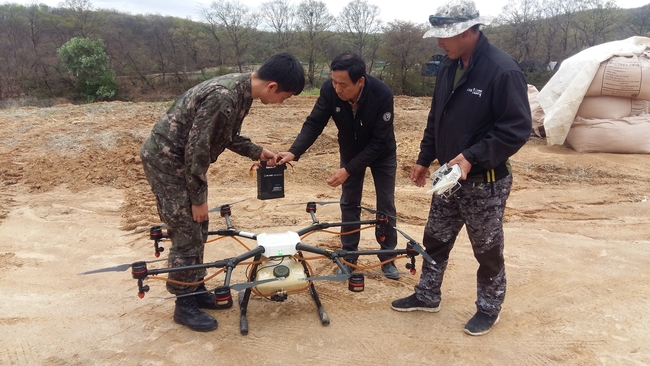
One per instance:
(481,206)
(197,128)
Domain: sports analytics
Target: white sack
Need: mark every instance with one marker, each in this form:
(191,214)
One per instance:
(536,111)
(611,107)
(623,76)
(561,96)
(624,135)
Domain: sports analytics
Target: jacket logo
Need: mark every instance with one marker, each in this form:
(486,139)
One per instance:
(475,91)
(338,109)
(387,116)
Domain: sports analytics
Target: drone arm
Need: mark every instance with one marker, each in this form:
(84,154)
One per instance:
(229,262)
(311,249)
(231,232)
(326,225)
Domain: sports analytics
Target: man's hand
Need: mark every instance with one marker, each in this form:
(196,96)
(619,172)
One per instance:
(465,166)
(338,177)
(268,156)
(285,157)
(419,175)
(200,212)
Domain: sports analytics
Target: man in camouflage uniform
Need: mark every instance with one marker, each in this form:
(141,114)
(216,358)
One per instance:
(197,128)
(479,117)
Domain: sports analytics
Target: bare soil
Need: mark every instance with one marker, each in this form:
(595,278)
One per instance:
(73,198)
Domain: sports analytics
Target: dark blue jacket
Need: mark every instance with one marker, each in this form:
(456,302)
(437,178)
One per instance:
(363,139)
(486,116)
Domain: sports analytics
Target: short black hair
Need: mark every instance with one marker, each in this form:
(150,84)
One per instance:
(285,70)
(350,62)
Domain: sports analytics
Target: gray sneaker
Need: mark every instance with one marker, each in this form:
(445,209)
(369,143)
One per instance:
(412,303)
(390,271)
(480,323)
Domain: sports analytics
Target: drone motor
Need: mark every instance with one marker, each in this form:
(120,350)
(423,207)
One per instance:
(223,297)
(356,282)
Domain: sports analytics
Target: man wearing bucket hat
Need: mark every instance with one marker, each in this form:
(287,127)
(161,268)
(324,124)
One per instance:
(479,117)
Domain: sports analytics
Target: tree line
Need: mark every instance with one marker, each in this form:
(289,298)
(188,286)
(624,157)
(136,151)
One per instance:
(161,56)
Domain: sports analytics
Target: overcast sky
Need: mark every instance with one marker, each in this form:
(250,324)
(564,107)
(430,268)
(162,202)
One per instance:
(416,11)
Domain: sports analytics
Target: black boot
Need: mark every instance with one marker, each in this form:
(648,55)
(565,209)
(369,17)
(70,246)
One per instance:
(187,313)
(205,300)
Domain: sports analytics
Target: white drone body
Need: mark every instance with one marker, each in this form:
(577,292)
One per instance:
(279,250)
(445,180)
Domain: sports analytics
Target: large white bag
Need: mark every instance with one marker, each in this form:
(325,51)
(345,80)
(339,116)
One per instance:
(629,135)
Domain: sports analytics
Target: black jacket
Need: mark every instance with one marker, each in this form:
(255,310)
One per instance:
(363,139)
(486,116)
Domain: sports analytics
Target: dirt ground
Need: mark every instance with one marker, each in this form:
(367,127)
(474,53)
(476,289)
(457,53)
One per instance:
(73,198)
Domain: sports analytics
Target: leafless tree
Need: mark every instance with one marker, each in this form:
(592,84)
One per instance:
(84,19)
(238,23)
(404,50)
(280,17)
(313,22)
(638,23)
(598,20)
(360,24)
(520,19)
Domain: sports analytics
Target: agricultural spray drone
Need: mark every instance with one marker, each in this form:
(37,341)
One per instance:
(279,265)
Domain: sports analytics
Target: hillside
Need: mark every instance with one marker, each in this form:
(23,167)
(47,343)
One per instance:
(73,198)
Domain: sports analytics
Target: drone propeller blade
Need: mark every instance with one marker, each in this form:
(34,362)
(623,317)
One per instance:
(120,268)
(417,247)
(321,203)
(236,287)
(340,278)
(139,231)
(245,285)
(327,202)
(375,212)
(218,208)
(405,235)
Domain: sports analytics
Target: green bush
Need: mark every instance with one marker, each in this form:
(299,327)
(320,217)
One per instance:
(87,62)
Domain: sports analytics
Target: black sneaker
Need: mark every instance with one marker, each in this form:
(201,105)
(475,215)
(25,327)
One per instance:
(480,323)
(412,303)
(390,271)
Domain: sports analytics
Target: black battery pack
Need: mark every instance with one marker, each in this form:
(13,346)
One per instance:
(270,181)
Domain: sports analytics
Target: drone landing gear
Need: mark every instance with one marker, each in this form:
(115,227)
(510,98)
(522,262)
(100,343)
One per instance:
(244,297)
(324,319)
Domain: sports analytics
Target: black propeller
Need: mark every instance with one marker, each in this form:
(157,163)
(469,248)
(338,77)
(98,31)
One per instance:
(375,212)
(321,203)
(138,231)
(120,268)
(219,208)
(417,247)
(342,278)
(235,287)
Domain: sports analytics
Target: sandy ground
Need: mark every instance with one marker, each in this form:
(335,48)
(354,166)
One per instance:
(73,198)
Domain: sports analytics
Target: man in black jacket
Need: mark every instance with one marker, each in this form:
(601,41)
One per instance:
(480,116)
(362,108)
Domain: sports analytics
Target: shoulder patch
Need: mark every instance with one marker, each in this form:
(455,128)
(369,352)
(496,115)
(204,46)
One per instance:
(387,116)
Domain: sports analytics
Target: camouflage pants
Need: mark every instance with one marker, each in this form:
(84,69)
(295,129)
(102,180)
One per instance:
(479,206)
(187,236)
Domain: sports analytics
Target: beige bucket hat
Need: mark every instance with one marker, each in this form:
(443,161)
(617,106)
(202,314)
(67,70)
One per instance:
(454,18)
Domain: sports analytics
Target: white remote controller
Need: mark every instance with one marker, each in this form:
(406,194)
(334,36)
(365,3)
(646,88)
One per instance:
(445,180)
